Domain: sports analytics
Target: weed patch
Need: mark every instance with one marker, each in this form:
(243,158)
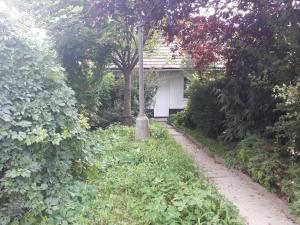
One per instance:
(151,182)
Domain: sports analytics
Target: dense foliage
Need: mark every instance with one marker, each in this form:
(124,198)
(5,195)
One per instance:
(40,129)
(83,55)
(258,41)
(203,108)
(87,51)
(83,50)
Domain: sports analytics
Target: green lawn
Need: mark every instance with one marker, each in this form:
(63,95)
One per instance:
(149,182)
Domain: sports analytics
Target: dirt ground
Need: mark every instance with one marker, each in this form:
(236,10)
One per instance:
(255,203)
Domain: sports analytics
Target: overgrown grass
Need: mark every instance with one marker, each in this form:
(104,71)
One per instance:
(150,182)
(261,161)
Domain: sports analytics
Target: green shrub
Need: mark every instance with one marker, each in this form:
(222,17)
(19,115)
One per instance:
(172,119)
(287,128)
(40,130)
(248,106)
(260,160)
(203,109)
(182,118)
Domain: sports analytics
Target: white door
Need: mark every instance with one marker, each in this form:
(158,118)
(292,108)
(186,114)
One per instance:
(162,99)
(177,92)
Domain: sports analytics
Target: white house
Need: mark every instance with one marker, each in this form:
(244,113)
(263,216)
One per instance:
(171,71)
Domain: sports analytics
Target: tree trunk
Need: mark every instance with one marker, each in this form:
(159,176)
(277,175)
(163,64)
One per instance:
(127,99)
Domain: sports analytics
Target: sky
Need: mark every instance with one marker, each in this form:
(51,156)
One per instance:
(24,19)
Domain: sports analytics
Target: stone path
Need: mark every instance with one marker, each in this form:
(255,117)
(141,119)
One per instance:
(256,204)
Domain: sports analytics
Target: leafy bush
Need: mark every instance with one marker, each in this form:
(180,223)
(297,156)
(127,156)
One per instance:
(203,109)
(182,118)
(260,160)
(248,106)
(40,130)
(287,128)
(150,182)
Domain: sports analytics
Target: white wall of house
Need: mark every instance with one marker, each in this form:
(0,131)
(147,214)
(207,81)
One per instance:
(170,94)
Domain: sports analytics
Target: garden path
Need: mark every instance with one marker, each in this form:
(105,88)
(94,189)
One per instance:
(255,203)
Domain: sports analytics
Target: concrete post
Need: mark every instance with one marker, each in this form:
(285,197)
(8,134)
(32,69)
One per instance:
(142,121)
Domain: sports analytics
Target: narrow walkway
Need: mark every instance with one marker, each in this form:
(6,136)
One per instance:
(256,204)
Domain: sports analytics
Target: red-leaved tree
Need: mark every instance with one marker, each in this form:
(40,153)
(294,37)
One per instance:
(258,41)
(204,38)
(233,26)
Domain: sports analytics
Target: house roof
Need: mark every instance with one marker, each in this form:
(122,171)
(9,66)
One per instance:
(162,58)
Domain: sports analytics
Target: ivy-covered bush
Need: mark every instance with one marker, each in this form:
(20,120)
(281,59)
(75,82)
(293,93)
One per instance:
(40,130)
